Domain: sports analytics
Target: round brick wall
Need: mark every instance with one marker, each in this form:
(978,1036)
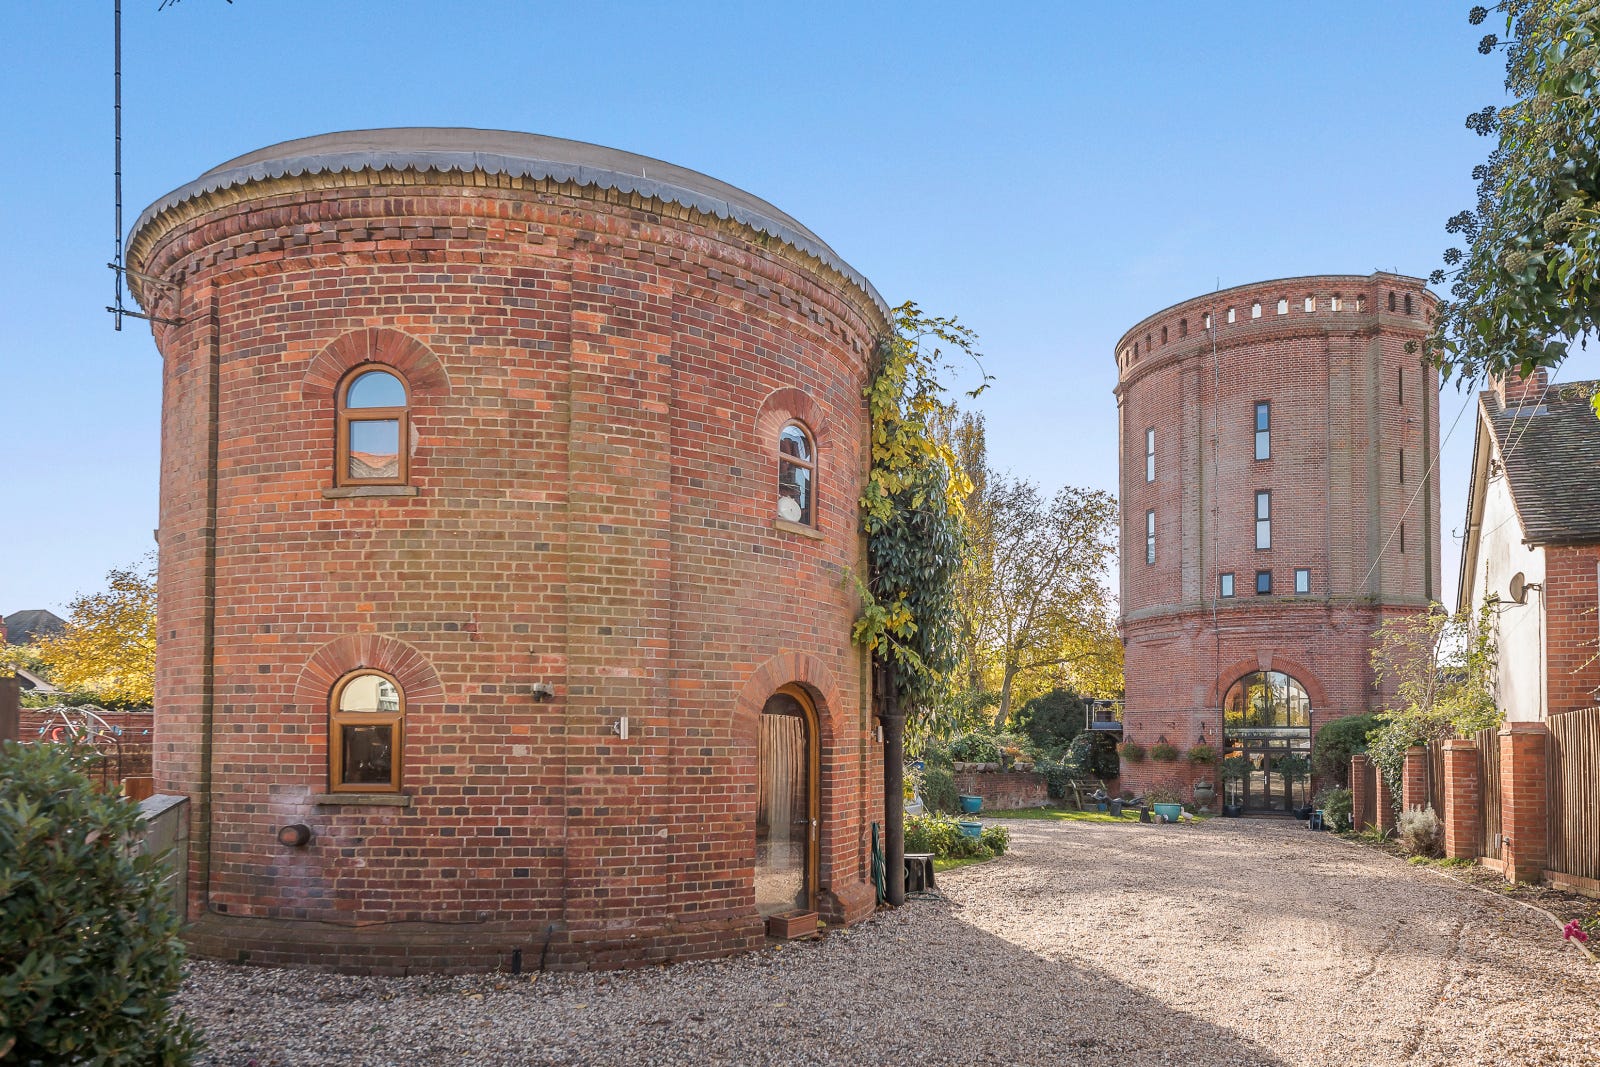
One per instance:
(601,351)
(1346,400)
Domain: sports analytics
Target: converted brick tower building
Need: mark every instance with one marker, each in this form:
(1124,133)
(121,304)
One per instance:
(508,486)
(1279,503)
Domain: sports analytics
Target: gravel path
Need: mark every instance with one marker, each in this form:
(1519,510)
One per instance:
(1224,943)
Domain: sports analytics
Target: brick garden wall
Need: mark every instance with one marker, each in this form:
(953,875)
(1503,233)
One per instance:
(1004,790)
(598,380)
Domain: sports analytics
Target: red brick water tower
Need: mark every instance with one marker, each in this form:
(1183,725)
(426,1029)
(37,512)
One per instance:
(508,489)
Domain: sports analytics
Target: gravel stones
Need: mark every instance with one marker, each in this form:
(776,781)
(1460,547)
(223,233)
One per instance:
(1229,942)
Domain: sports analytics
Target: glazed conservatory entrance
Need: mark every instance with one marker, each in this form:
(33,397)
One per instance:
(1267,720)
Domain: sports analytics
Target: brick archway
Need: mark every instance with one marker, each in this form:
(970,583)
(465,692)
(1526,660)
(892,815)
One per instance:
(423,372)
(786,668)
(1293,668)
(416,676)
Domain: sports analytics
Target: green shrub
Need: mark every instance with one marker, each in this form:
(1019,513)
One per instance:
(1163,794)
(975,748)
(1337,741)
(1056,772)
(1133,751)
(89,952)
(940,835)
(935,753)
(1420,832)
(1336,808)
(939,791)
(1051,721)
(1202,755)
(1094,754)
(1162,752)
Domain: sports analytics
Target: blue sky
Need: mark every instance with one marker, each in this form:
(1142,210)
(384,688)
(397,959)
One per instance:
(1049,173)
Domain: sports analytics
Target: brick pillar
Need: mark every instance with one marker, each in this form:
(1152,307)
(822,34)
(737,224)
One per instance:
(1360,790)
(1524,820)
(1463,831)
(10,716)
(1414,779)
(1383,798)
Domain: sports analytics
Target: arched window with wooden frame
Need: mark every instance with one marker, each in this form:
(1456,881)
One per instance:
(797,475)
(366,733)
(374,427)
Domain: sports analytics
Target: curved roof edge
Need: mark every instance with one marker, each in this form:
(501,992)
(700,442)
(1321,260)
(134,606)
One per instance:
(460,150)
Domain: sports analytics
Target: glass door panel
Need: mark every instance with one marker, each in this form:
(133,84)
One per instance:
(783,808)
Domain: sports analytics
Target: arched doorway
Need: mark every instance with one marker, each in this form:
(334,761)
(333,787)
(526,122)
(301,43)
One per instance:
(1266,717)
(786,803)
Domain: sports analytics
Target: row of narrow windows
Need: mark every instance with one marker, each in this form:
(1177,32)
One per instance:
(1263,524)
(1336,302)
(374,433)
(1302,583)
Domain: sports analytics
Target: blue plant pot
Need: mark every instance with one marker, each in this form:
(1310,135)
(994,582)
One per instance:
(1101,805)
(971,805)
(1170,812)
(970,828)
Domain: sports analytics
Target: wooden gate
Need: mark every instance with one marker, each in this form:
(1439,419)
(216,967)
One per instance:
(1574,771)
(1489,792)
(1437,794)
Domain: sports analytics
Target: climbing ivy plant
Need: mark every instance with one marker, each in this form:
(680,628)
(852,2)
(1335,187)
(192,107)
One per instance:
(911,509)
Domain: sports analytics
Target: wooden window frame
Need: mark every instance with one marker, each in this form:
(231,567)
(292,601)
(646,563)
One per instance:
(345,415)
(808,465)
(338,719)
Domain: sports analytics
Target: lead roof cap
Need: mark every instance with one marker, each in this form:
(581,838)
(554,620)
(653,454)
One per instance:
(523,155)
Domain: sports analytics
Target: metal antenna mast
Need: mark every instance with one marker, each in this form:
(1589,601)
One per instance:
(118,309)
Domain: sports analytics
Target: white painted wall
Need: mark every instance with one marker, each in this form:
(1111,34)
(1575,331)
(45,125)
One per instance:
(1520,627)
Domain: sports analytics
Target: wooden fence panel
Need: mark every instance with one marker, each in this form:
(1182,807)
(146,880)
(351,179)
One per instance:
(1366,814)
(1489,792)
(1438,796)
(1574,772)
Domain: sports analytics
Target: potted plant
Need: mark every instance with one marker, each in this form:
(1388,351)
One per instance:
(1295,769)
(1166,802)
(1235,769)
(971,805)
(1162,752)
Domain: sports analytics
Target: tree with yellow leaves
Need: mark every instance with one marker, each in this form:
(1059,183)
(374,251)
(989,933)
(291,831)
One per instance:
(108,649)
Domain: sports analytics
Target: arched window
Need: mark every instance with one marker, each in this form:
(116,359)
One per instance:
(366,734)
(1265,700)
(797,471)
(373,430)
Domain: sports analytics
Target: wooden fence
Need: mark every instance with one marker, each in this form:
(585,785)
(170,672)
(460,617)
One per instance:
(1574,765)
(1436,792)
(1489,792)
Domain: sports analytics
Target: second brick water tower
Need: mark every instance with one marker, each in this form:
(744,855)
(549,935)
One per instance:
(1279,503)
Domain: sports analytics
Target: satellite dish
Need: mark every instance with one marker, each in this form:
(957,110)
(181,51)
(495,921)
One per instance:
(1518,588)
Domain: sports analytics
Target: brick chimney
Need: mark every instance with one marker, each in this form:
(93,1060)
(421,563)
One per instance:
(1515,391)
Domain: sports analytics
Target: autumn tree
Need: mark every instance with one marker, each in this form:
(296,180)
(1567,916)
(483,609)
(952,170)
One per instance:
(1039,599)
(108,649)
(1441,668)
(1527,285)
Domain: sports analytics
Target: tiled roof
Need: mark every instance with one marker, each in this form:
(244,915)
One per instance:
(1552,460)
(23,626)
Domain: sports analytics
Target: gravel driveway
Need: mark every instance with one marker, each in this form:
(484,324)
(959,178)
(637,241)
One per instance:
(1230,942)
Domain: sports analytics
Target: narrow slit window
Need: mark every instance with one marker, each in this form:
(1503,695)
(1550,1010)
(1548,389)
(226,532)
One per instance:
(1302,580)
(1402,538)
(1263,583)
(1361,303)
(1264,430)
(1255,310)
(373,429)
(1264,520)
(1183,327)
(1150,455)
(1401,455)
(1225,586)
(796,475)
(1400,385)
(1207,321)
(1283,305)
(1408,303)
(1391,301)
(1336,303)
(1150,537)
(1311,304)
(1163,335)
(1230,315)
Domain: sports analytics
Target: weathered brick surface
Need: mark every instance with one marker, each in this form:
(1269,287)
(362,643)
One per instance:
(1463,809)
(1414,779)
(1339,425)
(597,381)
(1572,628)
(1524,800)
(1004,790)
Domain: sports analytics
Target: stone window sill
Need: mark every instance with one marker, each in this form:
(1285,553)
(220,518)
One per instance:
(345,492)
(362,800)
(798,528)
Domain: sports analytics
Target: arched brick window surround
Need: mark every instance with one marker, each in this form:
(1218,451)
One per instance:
(1293,668)
(423,373)
(409,668)
(782,407)
(787,668)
